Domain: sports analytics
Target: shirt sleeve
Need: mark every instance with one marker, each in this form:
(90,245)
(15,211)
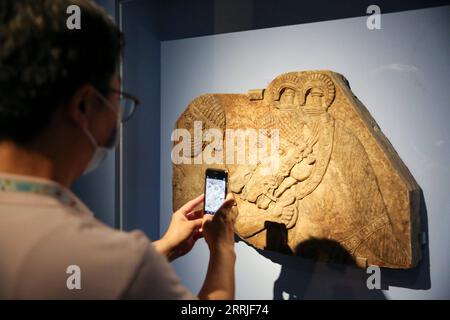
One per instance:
(156,279)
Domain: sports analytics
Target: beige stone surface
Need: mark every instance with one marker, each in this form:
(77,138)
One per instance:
(340,193)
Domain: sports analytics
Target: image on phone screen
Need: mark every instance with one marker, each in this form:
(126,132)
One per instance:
(215,189)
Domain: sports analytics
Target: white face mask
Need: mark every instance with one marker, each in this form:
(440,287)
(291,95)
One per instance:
(101,152)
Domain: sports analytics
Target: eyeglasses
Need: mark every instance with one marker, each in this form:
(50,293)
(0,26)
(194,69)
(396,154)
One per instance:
(128,104)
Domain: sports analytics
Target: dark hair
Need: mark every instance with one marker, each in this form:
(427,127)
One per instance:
(43,62)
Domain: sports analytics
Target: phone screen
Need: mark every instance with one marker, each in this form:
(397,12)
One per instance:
(215,190)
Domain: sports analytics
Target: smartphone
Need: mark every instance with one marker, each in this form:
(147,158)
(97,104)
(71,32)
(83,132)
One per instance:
(215,189)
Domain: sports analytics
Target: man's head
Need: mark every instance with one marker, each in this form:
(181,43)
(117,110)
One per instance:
(54,80)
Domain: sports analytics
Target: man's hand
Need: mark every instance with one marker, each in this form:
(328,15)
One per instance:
(184,230)
(218,230)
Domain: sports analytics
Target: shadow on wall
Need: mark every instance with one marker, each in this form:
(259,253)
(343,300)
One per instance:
(311,275)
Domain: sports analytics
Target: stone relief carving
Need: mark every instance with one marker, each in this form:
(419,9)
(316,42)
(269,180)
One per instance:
(339,181)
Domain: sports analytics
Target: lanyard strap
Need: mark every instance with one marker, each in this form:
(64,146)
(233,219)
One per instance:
(54,191)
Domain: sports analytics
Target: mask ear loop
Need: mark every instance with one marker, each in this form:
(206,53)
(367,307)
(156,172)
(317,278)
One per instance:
(115,137)
(90,137)
(85,130)
(108,103)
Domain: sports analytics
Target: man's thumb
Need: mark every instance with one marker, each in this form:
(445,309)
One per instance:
(196,223)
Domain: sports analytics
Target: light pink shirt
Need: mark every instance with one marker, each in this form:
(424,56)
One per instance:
(40,237)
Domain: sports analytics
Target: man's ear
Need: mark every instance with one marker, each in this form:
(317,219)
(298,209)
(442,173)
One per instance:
(80,106)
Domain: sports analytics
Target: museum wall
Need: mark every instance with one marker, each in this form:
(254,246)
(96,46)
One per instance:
(400,73)
(141,143)
(97,189)
(141,134)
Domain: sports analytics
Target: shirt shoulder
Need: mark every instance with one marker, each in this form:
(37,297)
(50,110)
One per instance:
(106,261)
(157,280)
(49,250)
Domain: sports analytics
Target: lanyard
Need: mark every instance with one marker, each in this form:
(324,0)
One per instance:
(54,191)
